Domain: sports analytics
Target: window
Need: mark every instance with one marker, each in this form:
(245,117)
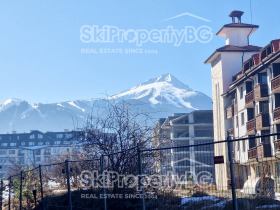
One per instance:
(47,143)
(12,152)
(31,143)
(56,142)
(0,137)
(68,135)
(20,152)
(56,151)
(236,123)
(40,143)
(21,161)
(241,92)
(22,143)
(4,144)
(263,78)
(59,135)
(242,118)
(40,136)
(47,152)
(258,171)
(2,152)
(66,142)
(17,137)
(29,152)
(32,136)
(38,159)
(38,152)
(244,146)
(277,167)
(13,144)
(264,107)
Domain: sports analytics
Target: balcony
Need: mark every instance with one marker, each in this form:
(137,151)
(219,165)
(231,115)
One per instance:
(276,114)
(251,126)
(235,107)
(252,153)
(260,152)
(277,147)
(229,111)
(262,121)
(261,92)
(275,84)
(249,98)
(263,150)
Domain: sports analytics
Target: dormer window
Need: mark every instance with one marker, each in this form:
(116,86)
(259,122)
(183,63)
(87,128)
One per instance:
(59,136)
(32,136)
(40,136)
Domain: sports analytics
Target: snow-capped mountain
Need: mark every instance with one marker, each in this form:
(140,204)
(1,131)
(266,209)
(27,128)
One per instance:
(161,96)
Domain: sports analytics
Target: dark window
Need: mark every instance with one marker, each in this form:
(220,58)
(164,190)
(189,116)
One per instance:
(263,78)
(249,87)
(241,92)
(264,107)
(252,142)
(276,69)
(242,118)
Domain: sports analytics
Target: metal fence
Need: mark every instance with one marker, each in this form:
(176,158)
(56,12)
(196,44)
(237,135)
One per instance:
(197,176)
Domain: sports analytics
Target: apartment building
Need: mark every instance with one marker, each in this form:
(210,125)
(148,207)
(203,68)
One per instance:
(246,101)
(34,148)
(185,129)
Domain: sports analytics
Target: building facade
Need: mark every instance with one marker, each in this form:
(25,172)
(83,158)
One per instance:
(34,148)
(186,129)
(246,87)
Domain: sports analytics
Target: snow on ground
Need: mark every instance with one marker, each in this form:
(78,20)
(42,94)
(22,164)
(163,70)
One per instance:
(53,184)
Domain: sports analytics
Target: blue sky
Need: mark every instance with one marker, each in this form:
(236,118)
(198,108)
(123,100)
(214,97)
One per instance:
(40,58)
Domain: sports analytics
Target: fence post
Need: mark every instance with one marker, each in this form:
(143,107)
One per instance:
(42,189)
(68,184)
(103,180)
(20,195)
(10,185)
(140,176)
(2,186)
(234,201)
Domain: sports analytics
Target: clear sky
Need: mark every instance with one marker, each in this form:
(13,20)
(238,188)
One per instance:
(40,45)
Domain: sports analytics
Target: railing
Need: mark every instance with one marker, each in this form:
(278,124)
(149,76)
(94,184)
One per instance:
(252,153)
(229,111)
(276,113)
(264,150)
(250,125)
(249,97)
(275,82)
(261,91)
(262,121)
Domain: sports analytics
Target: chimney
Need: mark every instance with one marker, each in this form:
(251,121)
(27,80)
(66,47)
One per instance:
(14,132)
(236,14)
(66,130)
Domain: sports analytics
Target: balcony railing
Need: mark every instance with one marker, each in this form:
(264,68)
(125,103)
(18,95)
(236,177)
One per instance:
(261,92)
(252,153)
(249,98)
(262,121)
(261,151)
(277,146)
(264,150)
(250,125)
(229,111)
(275,83)
(276,113)
(235,107)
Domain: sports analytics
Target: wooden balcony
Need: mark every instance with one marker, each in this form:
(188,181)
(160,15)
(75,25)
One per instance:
(231,132)
(249,98)
(251,126)
(276,114)
(263,150)
(229,111)
(275,84)
(252,153)
(277,147)
(261,92)
(260,152)
(262,121)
